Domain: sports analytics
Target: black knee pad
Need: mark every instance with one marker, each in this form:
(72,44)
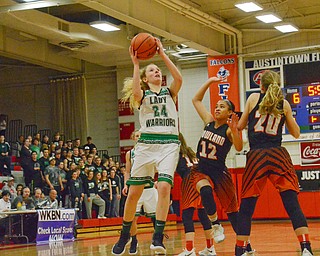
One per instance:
(292,206)
(245,215)
(233,218)
(204,219)
(187,215)
(208,200)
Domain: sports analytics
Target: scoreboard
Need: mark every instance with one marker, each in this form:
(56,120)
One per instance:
(305,104)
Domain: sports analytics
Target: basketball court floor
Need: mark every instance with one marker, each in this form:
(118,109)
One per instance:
(268,238)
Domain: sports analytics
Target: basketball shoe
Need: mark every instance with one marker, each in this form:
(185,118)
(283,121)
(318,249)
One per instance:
(306,252)
(188,253)
(218,234)
(157,244)
(208,251)
(120,247)
(133,246)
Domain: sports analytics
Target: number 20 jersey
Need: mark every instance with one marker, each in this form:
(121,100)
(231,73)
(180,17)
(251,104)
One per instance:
(213,147)
(158,113)
(264,131)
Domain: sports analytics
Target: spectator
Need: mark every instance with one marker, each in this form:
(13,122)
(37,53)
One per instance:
(59,158)
(19,189)
(5,159)
(90,144)
(77,143)
(105,163)
(69,145)
(90,164)
(86,151)
(105,193)
(56,139)
(123,197)
(76,156)
(36,147)
(52,201)
(99,167)
(68,160)
(10,187)
(44,160)
(52,149)
(92,197)
(37,198)
(37,175)
(5,205)
(26,162)
(3,126)
(45,142)
(76,192)
(65,191)
(61,145)
(115,188)
(94,152)
(53,178)
(83,170)
(16,148)
(24,198)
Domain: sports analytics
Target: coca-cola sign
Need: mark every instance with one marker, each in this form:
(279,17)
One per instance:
(310,153)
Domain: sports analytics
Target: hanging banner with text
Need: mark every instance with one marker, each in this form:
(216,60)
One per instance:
(226,68)
(55,225)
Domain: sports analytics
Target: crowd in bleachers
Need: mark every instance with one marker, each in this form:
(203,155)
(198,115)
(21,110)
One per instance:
(73,171)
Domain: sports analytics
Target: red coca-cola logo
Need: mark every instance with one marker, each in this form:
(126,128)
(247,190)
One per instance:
(310,153)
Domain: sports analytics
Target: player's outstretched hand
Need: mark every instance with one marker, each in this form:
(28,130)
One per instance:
(233,122)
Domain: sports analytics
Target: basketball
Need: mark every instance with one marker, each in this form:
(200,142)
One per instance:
(145,45)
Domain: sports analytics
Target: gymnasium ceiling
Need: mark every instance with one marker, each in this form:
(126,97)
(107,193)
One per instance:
(56,33)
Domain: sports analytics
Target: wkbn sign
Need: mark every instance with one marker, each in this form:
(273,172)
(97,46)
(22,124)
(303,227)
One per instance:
(310,153)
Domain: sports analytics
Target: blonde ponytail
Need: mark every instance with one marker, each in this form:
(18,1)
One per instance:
(127,93)
(272,102)
(127,89)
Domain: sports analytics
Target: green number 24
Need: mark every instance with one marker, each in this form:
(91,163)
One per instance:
(163,112)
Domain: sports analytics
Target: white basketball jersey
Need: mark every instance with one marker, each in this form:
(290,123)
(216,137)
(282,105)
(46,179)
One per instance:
(158,113)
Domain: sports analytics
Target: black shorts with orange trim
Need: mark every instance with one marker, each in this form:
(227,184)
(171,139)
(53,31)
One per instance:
(220,181)
(272,163)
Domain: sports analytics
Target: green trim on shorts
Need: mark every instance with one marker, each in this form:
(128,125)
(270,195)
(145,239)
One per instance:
(165,177)
(152,138)
(150,215)
(140,181)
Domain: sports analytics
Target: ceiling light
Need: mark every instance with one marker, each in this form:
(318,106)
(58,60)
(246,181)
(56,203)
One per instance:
(268,18)
(286,28)
(104,25)
(249,6)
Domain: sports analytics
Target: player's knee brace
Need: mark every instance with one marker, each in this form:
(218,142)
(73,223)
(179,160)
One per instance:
(187,216)
(208,200)
(233,218)
(203,217)
(245,214)
(292,206)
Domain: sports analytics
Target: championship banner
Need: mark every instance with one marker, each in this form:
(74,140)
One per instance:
(55,225)
(226,68)
(310,153)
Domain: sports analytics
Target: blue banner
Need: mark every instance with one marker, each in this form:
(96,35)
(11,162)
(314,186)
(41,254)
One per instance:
(55,225)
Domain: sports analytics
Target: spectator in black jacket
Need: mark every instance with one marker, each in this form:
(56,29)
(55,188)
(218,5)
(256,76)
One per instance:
(5,159)
(26,162)
(92,197)
(76,192)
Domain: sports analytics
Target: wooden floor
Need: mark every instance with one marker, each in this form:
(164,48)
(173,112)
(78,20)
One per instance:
(268,238)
